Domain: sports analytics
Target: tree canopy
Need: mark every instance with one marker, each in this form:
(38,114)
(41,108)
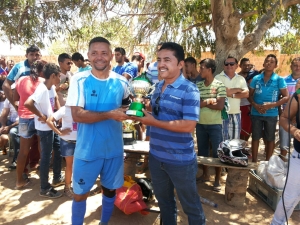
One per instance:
(225,27)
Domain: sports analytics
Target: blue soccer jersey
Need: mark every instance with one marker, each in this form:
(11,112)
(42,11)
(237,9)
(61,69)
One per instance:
(179,101)
(19,70)
(100,139)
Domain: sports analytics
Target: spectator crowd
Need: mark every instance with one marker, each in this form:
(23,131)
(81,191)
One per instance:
(45,107)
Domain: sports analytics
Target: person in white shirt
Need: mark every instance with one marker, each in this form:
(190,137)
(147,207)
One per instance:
(42,103)
(68,136)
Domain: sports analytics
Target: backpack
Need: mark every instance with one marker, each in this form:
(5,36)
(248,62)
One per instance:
(147,188)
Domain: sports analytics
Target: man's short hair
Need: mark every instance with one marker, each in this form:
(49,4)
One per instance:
(99,39)
(244,60)
(121,50)
(49,69)
(297,59)
(272,56)
(63,56)
(32,48)
(176,48)
(191,60)
(77,56)
(231,57)
(209,64)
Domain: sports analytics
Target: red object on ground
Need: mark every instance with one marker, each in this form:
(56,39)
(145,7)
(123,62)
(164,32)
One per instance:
(130,198)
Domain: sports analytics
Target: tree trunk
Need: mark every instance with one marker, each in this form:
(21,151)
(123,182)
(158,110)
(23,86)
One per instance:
(236,187)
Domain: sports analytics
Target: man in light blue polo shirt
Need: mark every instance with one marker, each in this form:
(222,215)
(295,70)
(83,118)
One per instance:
(291,82)
(172,159)
(264,94)
(20,69)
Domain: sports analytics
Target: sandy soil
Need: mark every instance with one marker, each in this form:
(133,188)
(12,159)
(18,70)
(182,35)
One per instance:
(18,207)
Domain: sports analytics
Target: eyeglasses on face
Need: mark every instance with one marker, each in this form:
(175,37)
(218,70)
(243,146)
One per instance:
(230,63)
(156,107)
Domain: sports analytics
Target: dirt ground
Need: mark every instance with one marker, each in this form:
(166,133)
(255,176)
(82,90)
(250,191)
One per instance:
(22,207)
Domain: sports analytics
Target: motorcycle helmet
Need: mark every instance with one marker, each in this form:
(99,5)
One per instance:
(230,152)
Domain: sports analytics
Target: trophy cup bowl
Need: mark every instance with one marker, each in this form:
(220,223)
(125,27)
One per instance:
(141,86)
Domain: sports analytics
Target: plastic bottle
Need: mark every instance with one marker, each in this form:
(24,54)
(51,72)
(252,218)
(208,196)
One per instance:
(208,202)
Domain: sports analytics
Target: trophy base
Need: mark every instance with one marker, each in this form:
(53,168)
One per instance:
(137,113)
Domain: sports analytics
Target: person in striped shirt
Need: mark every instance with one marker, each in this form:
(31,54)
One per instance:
(175,106)
(291,81)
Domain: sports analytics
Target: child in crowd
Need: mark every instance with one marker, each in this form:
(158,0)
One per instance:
(41,103)
(68,133)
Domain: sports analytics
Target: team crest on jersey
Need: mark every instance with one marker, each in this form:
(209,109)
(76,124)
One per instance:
(94,93)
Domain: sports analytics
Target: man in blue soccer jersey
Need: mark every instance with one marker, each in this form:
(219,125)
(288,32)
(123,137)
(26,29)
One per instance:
(96,98)
(172,159)
(20,69)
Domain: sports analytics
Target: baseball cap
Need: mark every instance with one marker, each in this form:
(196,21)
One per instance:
(140,54)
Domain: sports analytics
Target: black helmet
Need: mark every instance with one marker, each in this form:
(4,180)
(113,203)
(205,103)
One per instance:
(230,152)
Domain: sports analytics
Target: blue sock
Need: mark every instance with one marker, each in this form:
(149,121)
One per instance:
(107,208)
(78,212)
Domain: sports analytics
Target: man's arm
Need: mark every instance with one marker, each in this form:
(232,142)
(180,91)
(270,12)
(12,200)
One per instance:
(285,97)
(3,117)
(185,126)
(258,107)
(219,105)
(6,87)
(56,102)
(243,94)
(81,115)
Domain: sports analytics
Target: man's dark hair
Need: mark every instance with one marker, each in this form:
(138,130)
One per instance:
(32,48)
(49,69)
(191,60)
(63,56)
(176,48)
(272,56)
(77,56)
(244,60)
(231,57)
(209,64)
(99,39)
(121,50)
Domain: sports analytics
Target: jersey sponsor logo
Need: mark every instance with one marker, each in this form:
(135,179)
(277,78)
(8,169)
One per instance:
(94,94)
(81,181)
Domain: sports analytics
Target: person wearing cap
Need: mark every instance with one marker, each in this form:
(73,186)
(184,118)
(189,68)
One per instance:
(138,58)
(120,56)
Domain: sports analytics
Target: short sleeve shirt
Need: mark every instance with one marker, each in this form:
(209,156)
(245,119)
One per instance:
(152,72)
(65,114)
(44,101)
(215,90)
(101,139)
(13,114)
(266,92)
(25,87)
(19,70)
(131,69)
(237,81)
(119,69)
(81,69)
(179,101)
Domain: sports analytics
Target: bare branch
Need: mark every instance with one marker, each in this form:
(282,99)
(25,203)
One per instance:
(202,24)
(143,14)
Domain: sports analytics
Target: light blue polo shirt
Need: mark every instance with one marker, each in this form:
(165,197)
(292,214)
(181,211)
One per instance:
(81,69)
(266,92)
(179,101)
(19,70)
